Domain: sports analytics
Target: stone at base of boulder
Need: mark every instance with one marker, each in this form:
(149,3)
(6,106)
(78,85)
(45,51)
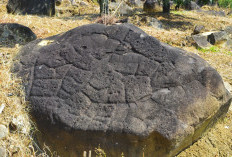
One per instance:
(201,40)
(3,131)
(217,38)
(198,29)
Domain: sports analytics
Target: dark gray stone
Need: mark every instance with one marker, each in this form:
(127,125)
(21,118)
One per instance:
(194,6)
(38,7)
(119,87)
(190,5)
(217,38)
(13,33)
(198,29)
(151,21)
(150,5)
(201,40)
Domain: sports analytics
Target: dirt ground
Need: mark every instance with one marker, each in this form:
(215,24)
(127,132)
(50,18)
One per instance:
(217,142)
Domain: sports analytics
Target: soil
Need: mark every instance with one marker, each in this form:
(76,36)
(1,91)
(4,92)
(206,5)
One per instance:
(216,142)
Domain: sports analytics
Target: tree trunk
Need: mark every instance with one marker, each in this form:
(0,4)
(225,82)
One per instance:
(103,6)
(166,6)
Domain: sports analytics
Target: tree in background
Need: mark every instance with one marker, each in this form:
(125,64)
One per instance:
(103,6)
(166,6)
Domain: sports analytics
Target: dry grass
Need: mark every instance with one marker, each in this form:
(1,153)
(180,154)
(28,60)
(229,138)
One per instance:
(19,141)
(178,25)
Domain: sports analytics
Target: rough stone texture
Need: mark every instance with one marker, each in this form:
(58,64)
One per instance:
(13,33)
(198,29)
(151,21)
(125,85)
(3,131)
(217,38)
(136,3)
(124,9)
(150,5)
(228,30)
(190,5)
(213,12)
(208,39)
(38,7)
(201,40)
(194,6)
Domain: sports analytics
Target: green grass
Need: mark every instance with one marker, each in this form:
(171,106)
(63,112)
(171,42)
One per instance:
(225,3)
(215,49)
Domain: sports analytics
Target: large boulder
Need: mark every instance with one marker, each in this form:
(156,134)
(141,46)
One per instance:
(38,7)
(121,88)
(13,33)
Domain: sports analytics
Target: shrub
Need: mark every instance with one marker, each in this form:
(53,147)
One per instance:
(225,3)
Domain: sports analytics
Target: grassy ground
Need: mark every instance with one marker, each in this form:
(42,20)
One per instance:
(177,25)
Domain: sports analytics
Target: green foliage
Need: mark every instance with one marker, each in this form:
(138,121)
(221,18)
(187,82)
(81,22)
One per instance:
(211,49)
(225,3)
(214,49)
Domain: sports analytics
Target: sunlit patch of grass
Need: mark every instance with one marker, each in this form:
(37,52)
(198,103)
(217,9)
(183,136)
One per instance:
(215,49)
(179,12)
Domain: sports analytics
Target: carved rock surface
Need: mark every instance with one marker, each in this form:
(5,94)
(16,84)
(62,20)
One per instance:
(38,7)
(117,79)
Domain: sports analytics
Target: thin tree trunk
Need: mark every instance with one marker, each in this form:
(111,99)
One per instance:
(166,6)
(103,6)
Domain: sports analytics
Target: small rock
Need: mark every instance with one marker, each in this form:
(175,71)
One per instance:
(201,40)
(17,124)
(215,13)
(136,3)
(3,131)
(13,33)
(228,86)
(126,20)
(217,38)
(198,29)
(192,6)
(151,21)
(228,30)
(2,152)
(229,44)
(2,108)
(150,5)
